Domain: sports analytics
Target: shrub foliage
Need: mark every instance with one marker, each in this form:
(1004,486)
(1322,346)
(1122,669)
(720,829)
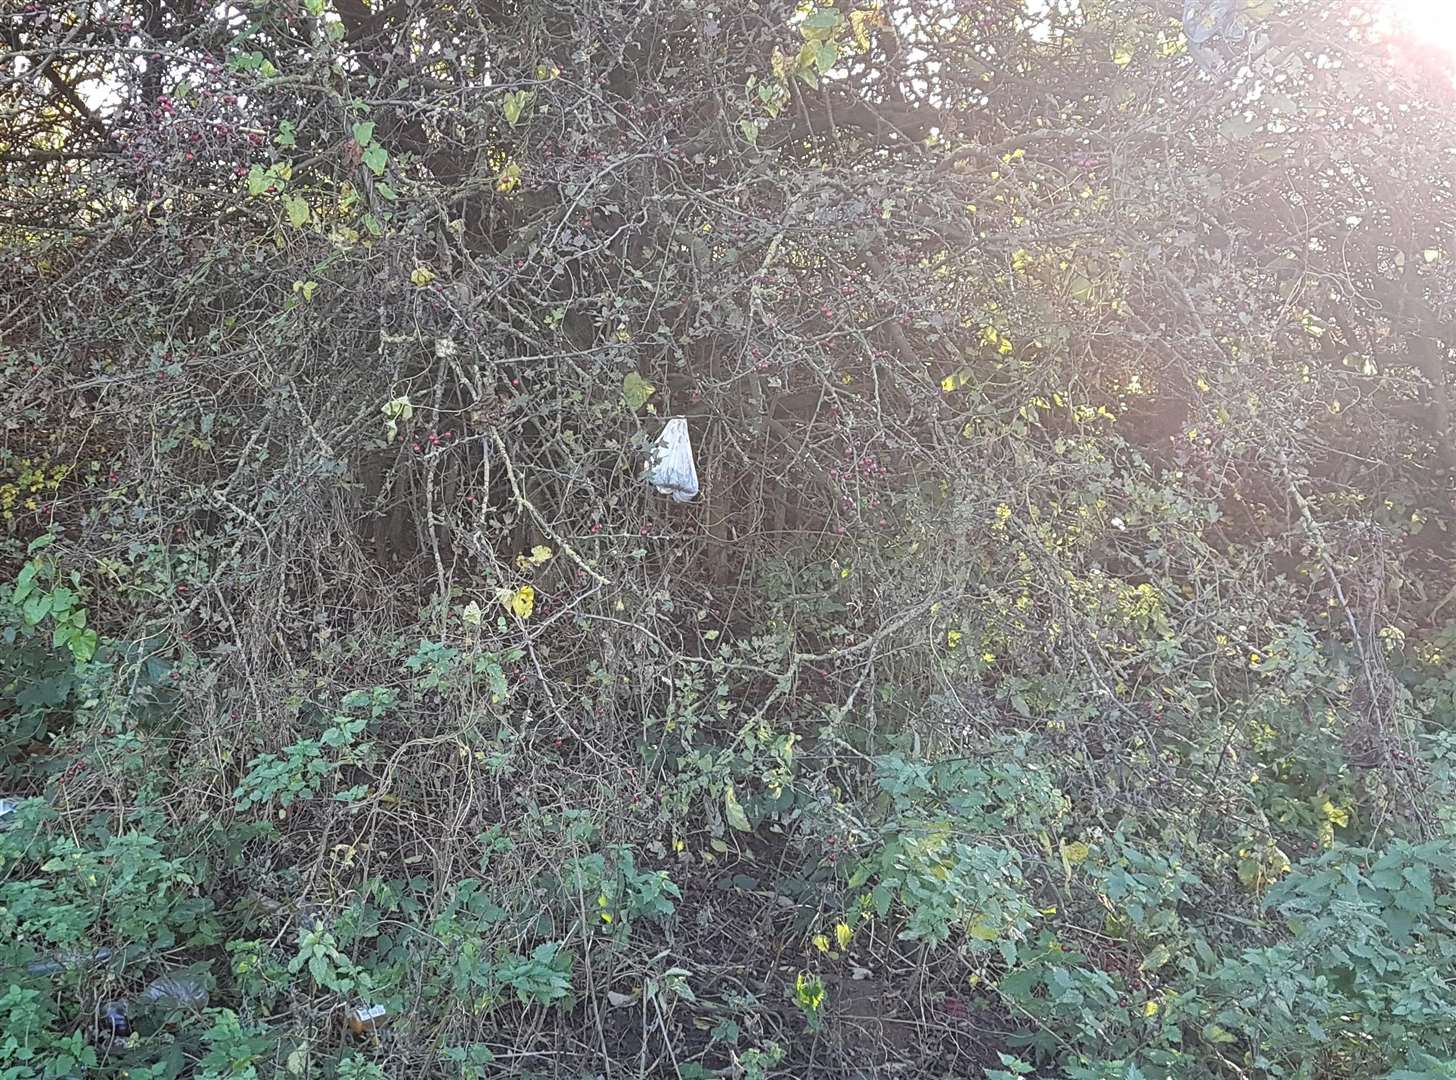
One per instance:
(1052,678)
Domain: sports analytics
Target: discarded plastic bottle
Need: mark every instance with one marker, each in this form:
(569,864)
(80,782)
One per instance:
(179,990)
(64,961)
(112,1020)
(366,1018)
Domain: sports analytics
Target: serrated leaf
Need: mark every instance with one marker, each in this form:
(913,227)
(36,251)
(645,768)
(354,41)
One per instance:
(636,390)
(522,602)
(298,211)
(1075,852)
(1156,959)
(982,929)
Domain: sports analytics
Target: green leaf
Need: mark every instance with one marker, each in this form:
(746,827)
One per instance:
(820,26)
(1238,127)
(376,158)
(83,645)
(258,180)
(298,211)
(385,192)
(36,608)
(636,390)
(733,810)
(364,132)
(24,583)
(1157,958)
(825,56)
(1215,1034)
(515,103)
(1281,103)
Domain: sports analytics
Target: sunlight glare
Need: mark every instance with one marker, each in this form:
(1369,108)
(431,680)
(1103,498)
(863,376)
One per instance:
(1432,22)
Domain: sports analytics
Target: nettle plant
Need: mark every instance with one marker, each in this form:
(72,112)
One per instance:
(47,646)
(305,769)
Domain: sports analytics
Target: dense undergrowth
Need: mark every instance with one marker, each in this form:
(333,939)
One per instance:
(1053,677)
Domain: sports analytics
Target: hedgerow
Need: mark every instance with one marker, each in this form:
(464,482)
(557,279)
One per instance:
(1051,678)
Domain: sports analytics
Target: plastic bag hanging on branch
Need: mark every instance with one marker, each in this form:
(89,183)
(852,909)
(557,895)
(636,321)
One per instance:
(672,470)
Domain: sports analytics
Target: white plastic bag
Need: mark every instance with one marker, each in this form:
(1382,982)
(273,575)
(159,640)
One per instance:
(672,470)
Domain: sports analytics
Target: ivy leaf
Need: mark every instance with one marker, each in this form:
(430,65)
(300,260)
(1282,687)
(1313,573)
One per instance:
(825,56)
(83,645)
(364,132)
(376,158)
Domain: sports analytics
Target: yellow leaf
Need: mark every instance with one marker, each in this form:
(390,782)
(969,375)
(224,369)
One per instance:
(983,930)
(842,935)
(522,602)
(780,63)
(421,276)
(1150,1009)
(509,178)
(948,384)
(733,810)
(952,639)
(809,990)
(1075,852)
(540,553)
(820,942)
